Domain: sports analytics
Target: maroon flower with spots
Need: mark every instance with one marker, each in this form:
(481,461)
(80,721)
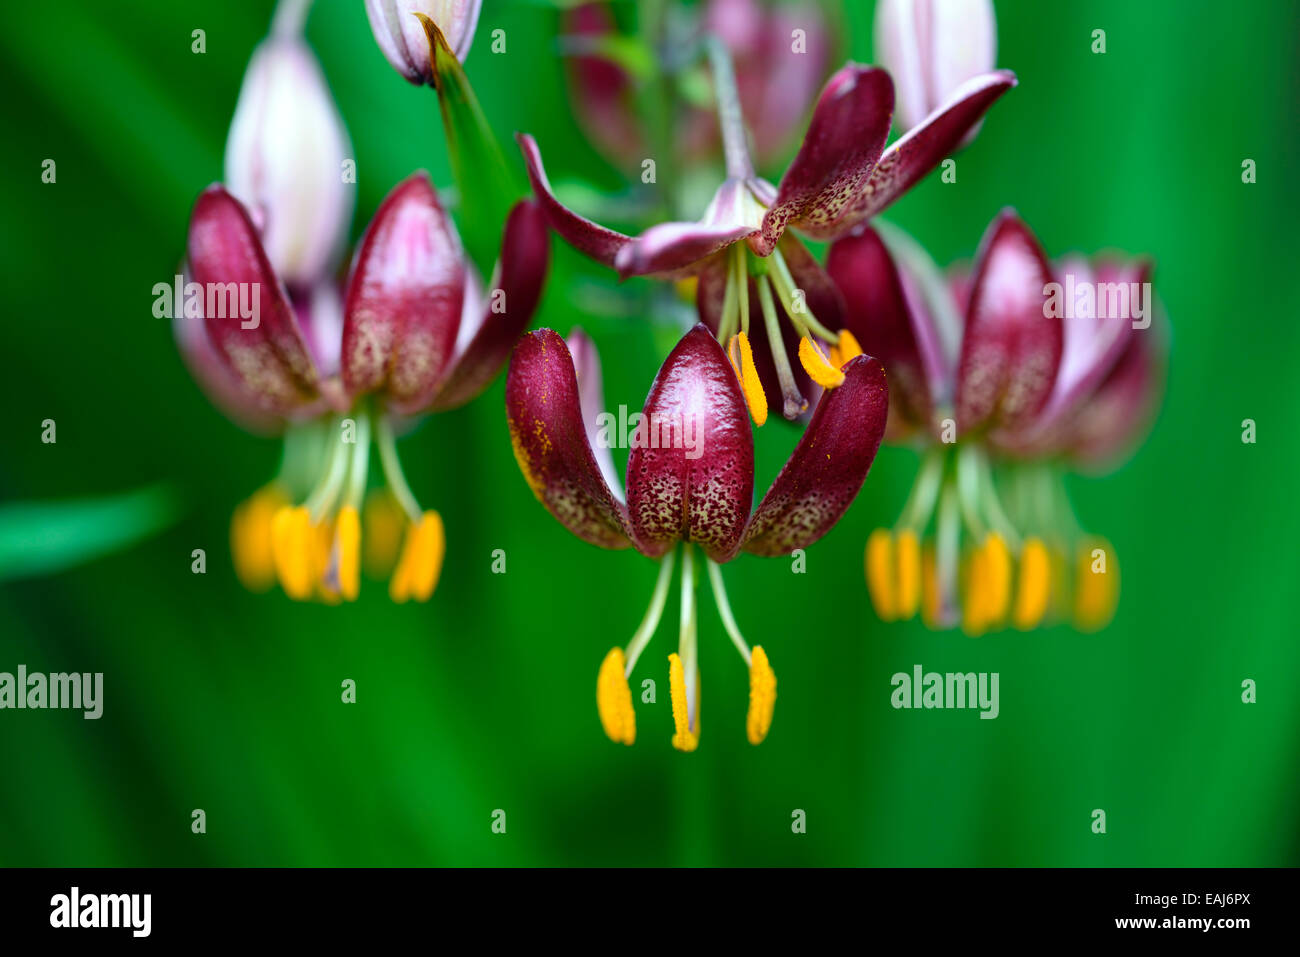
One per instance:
(690,479)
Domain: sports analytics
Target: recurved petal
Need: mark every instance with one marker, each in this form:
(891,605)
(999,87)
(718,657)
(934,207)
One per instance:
(402,308)
(590,239)
(247,313)
(486,338)
(690,474)
(669,248)
(827,467)
(544,412)
(1011,346)
(918,151)
(878,313)
(591,400)
(217,381)
(849,127)
(1117,415)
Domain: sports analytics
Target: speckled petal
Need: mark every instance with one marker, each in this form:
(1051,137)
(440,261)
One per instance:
(878,313)
(269,359)
(827,467)
(1011,347)
(849,127)
(544,412)
(590,239)
(690,474)
(484,344)
(919,151)
(402,308)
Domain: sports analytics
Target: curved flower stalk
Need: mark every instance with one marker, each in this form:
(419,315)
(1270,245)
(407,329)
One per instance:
(416,335)
(931,47)
(743,251)
(987,370)
(690,483)
(782,54)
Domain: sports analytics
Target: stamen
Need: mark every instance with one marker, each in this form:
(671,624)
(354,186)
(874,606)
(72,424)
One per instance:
(645,631)
(614,699)
(740,274)
(997,579)
(794,402)
(683,667)
(1033,585)
(947,553)
(762,697)
(347,557)
(724,610)
(684,739)
(421,562)
(845,350)
(741,355)
(908,551)
(387,445)
(1096,585)
(879,562)
(974,616)
(800,314)
(292,547)
(819,370)
(325,566)
(251,544)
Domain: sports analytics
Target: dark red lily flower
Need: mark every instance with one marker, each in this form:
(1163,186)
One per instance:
(1021,364)
(417,335)
(690,481)
(841,176)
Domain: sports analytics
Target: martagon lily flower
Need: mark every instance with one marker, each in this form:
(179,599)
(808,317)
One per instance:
(690,481)
(987,370)
(742,252)
(401,35)
(417,336)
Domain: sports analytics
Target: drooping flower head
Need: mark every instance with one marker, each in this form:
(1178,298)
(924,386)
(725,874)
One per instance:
(401,35)
(417,335)
(742,250)
(987,370)
(690,482)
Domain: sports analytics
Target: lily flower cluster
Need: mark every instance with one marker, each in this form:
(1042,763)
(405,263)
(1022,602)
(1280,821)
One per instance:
(748,263)
(997,370)
(335,366)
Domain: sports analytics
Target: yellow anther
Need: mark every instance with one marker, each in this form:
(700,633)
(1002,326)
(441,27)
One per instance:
(684,739)
(762,696)
(416,575)
(879,562)
(294,548)
(930,601)
(907,551)
(844,350)
(741,355)
(1096,585)
(347,554)
(997,579)
(973,604)
(1033,585)
(819,370)
(384,520)
(614,699)
(251,544)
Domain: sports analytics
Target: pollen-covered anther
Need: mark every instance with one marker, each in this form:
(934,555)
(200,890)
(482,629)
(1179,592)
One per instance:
(614,699)
(879,562)
(1096,585)
(420,564)
(762,696)
(816,365)
(846,349)
(1033,585)
(383,520)
(684,739)
(907,553)
(251,540)
(741,355)
(293,544)
(974,594)
(346,559)
(997,579)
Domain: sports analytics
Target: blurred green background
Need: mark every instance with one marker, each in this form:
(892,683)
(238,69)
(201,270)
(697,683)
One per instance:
(483,699)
